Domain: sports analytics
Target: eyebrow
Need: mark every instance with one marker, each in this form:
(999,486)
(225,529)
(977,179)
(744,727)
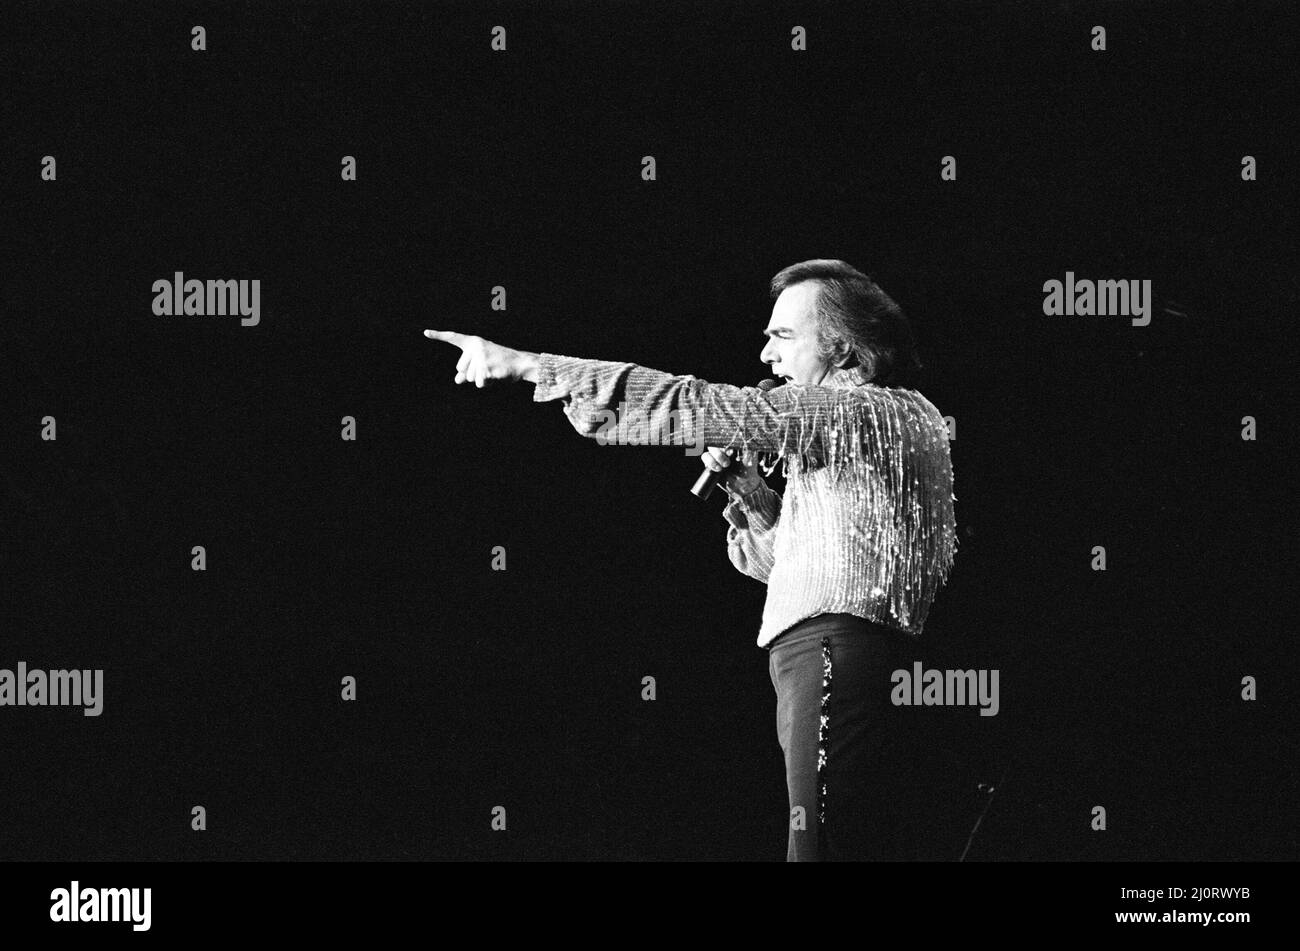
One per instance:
(778,330)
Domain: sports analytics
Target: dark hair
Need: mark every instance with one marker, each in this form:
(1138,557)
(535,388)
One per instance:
(852,308)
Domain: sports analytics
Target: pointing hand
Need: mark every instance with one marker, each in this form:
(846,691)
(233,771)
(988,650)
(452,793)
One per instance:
(483,362)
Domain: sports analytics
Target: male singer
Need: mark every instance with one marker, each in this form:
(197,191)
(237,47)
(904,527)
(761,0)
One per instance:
(854,550)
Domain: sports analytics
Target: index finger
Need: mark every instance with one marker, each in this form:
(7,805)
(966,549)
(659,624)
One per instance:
(448,336)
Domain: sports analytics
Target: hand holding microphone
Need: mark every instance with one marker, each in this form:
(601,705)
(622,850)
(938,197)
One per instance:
(718,469)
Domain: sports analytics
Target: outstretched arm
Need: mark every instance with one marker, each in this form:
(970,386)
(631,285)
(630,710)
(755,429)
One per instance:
(816,423)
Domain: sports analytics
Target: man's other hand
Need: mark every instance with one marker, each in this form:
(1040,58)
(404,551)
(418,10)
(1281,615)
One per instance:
(739,478)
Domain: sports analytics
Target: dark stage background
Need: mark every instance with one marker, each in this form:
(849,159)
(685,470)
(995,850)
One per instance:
(522,687)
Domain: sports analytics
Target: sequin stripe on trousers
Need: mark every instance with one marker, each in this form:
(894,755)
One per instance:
(822,726)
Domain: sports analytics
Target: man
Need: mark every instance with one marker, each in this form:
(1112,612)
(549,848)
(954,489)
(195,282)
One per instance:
(852,553)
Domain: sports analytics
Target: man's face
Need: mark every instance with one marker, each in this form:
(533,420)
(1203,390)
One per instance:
(791,347)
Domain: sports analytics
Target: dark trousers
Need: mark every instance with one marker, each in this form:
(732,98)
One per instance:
(846,756)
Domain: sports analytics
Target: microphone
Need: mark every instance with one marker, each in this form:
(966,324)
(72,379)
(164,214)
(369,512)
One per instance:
(709,479)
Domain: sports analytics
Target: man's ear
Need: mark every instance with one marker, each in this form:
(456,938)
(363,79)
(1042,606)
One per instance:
(842,353)
(866,370)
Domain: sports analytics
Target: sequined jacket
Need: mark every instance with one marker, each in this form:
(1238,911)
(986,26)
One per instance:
(865,525)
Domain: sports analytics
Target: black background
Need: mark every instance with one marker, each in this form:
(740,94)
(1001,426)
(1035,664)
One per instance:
(522,688)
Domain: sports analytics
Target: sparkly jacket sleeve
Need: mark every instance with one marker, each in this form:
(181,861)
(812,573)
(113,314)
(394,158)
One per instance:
(751,533)
(798,420)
